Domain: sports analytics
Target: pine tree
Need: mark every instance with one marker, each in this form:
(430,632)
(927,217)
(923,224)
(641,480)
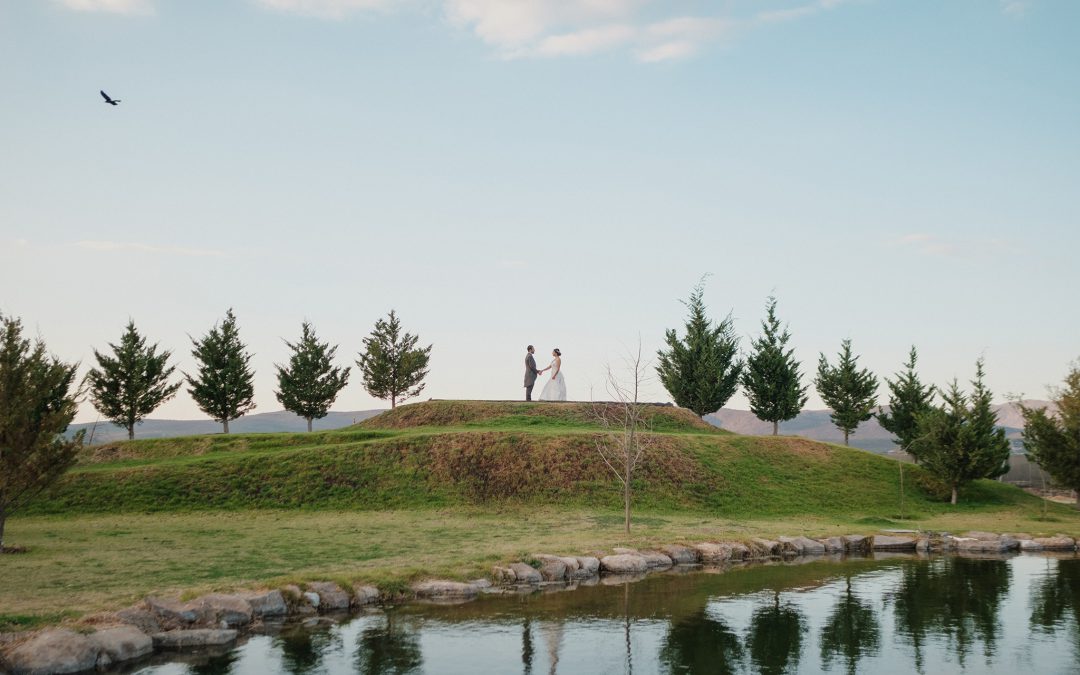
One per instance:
(223,387)
(38,400)
(391,364)
(310,383)
(702,370)
(850,393)
(1052,440)
(908,398)
(771,375)
(960,441)
(132,382)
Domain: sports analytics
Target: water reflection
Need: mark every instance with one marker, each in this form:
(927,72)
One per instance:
(952,599)
(388,647)
(886,616)
(302,648)
(699,644)
(775,638)
(851,632)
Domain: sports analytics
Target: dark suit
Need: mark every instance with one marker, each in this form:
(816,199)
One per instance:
(530,375)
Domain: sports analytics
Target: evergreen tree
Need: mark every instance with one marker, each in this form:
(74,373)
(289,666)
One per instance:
(908,398)
(38,400)
(850,393)
(310,383)
(223,387)
(771,375)
(960,441)
(702,370)
(1052,440)
(132,382)
(391,364)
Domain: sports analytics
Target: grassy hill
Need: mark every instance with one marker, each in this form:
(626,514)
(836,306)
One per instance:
(449,453)
(442,489)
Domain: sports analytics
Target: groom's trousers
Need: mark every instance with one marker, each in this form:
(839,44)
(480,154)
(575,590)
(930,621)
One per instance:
(528,392)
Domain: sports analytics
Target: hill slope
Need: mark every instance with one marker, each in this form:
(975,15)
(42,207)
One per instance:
(446,453)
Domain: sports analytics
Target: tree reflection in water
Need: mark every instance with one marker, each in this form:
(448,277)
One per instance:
(775,638)
(851,631)
(302,649)
(1055,599)
(954,598)
(388,647)
(699,644)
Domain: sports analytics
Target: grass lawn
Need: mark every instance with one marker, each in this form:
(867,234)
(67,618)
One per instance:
(447,489)
(87,563)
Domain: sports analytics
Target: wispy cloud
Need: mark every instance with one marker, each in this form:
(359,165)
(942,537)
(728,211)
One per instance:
(110,6)
(326,9)
(648,29)
(136,247)
(936,245)
(1015,7)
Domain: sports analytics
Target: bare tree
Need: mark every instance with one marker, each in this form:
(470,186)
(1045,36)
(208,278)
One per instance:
(627,428)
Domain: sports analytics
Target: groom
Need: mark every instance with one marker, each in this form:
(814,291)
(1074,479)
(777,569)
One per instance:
(530,373)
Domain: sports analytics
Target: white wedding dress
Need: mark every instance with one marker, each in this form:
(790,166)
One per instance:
(555,389)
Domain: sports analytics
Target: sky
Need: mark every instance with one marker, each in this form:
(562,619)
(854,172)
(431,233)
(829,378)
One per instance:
(554,172)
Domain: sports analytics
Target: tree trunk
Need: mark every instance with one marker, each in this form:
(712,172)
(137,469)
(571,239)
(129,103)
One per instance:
(226,423)
(3,518)
(393,401)
(846,434)
(131,432)
(309,424)
(626,499)
(954,494)
(775,427)
(1077,498)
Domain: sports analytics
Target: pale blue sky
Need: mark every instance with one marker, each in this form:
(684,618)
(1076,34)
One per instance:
(556,172)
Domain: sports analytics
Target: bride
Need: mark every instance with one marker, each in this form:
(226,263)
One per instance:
(555,389)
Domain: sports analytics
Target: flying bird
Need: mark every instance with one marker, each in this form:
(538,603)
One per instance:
(110,101)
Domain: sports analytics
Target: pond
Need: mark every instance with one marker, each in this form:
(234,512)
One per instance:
(888,614)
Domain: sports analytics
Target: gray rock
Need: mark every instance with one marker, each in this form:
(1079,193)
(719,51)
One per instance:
(739,551)
(682,555)
(656,560)
(1030,545)
(312,599)
(366,595)
(802,545)
(226,610)
(331,596)
(588,566)
(526,574)
(857,543)
(922,544)
(194,638)
(53,651)
(1058,542)
(885,542)
(624,563)
(552,568)
(765,547)
(119,644)
(171,612)
(713,554)
(267,603)
(972,545)
(143,619)
(503,575)
(480,584)
(833,545)
(439,589)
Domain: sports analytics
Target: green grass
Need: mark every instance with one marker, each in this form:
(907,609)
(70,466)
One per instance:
(448,489)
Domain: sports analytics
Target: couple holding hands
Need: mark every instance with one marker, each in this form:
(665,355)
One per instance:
(555,388)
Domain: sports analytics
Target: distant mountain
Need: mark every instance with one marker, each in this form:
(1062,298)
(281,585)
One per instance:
(106,432)
(870,435)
